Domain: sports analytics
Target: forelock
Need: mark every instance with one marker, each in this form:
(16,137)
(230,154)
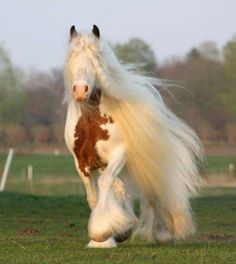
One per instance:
(85,42)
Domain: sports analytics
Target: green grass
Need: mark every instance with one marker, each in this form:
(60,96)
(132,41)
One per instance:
(37,229)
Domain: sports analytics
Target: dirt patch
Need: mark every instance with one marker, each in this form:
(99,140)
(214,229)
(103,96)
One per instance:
(70,225)
(221,150)
(213,181)
(64,234)
(216,238)
(29,232)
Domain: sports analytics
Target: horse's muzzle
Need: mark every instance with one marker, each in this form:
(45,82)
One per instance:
(80,92)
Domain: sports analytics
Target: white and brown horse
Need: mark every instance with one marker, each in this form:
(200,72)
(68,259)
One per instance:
(117,120)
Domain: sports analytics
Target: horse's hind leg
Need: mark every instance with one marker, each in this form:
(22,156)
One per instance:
(162,224)
(146,227)
(109,218)
(178,224)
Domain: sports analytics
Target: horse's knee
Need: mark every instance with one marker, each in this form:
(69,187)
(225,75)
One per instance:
(119,188)
(104,182)
(92,202)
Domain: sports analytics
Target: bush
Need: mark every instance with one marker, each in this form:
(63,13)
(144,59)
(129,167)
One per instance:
(231,133)
(40,134)
(13,134)
(57,131)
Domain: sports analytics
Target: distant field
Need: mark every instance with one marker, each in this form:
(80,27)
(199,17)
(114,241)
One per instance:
(219,162)
(56,175)
(43,164)
(64,165)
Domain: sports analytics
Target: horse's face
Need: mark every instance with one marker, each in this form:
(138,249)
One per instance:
(80,75)
(80,72)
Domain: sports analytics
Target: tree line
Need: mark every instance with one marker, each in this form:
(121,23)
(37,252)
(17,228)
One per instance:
(201,90)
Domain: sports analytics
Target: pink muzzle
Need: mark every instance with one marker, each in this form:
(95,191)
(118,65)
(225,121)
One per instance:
(80,92)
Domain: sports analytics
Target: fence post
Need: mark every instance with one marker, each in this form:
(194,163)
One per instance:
(30,178)
(231,169)
(6,169)
(30,172)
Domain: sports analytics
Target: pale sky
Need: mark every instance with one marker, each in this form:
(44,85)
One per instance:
(36,32)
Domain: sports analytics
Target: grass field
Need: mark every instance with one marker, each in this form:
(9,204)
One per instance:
(50,226)
(36,229)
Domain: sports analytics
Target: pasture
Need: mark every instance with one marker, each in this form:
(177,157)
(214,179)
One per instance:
(44,220)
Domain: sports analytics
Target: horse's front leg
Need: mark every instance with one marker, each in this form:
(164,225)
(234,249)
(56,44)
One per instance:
(90,186)
(109,218)
(91,190)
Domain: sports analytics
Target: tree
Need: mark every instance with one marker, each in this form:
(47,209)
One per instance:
(45,92)
(136,51)
(12,97)
(209,50)
(228,94)
(201,79)
(193,54)
(204,77)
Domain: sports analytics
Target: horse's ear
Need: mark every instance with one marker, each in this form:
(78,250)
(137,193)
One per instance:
(96,31)
(73,32)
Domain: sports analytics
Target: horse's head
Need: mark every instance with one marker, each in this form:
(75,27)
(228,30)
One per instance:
(80,71)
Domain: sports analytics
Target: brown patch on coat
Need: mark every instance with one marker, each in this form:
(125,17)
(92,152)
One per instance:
(87,132)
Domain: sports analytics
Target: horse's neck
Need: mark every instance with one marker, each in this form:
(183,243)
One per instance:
(95,105)
(73,114)
(73,110)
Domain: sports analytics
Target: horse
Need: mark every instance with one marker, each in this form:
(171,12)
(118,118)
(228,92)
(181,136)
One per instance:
(118,124)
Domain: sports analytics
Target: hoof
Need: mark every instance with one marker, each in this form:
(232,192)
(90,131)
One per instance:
(100,237)
(165,238)
(109,243)
(124,236)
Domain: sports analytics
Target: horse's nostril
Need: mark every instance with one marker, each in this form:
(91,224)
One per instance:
(74,87)
(86,88)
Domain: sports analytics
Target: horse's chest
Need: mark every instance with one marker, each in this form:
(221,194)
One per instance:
(88,131)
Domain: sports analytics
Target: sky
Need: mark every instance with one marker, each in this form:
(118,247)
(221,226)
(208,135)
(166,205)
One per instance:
(36,32)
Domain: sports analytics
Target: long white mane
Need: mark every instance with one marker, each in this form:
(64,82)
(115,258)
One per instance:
(162,151)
